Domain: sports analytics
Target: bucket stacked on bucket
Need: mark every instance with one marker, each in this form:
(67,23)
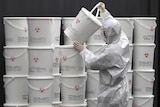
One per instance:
(127,25)
(43,52)
(143,60)
(73,77)
(16,61)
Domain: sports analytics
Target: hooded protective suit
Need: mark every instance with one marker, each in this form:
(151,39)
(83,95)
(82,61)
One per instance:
(112,62)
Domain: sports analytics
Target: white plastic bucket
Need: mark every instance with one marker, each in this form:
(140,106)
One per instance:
(130,81)
(16,89)
(74,105)
(130,102)
(56,87)
(16,60)
(44,31)
(130,56)
(15,105)
(66,21)
(127,25)
(73,89)
(143,82)
(143,56)
(84,25)
(144,30)
(71,61)
(92,84)
(56,104)
(92,102)
(143,101)
(98,36)
(56,60)
(40,61)
(40,91)
(16,31)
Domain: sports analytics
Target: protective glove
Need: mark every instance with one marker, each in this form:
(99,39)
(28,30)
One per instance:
(101,7)
(78,46)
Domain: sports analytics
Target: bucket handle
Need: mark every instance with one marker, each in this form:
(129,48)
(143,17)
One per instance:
(144,102)
(8,57)
(6,83)
(94,9)
(71,87)
(128,21)
(19,28)
(70,56)
(40,89)
(147,27)
(145,77)
(93,77)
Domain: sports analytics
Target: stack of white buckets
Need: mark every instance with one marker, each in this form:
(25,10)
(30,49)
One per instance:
(16,62)
(41,73)
(143,60)
(32,61)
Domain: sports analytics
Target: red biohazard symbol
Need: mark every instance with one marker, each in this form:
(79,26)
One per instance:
(35,59)
(130,81)
(37,29)
(57,60)
(41,90)
(76,87)
(64,58)
(152,28)
(12,58)
(146,55)
(77,21)
(25,29)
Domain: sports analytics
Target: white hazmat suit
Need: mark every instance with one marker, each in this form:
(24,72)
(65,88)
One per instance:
(112,61)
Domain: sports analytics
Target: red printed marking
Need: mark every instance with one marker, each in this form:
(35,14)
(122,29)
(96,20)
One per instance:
(77,21)
(25,29)
(37,29)
(76,87)
(146,55)
(152,28)
(12,58)
(64,58)
(130,81)
(152,80)
(41,90)
(35,59)
(57,60)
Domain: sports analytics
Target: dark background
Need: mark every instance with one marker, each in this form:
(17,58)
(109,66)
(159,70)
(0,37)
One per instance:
(64,8)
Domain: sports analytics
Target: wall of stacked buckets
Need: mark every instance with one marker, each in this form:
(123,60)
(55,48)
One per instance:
(42,73)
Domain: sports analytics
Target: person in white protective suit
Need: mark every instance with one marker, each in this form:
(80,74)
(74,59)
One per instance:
(111,60)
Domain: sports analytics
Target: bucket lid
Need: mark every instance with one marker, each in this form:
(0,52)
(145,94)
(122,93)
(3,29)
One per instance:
(83,75)
(93,18)
(14,47)
(17,76)
(73,105)
(144,70)
(93,99)
(43,48)
(6,104)
(92,71)
(145,18)
(143,96)
(147,44)
(14,18)
(56,74)
(58,102)
(44,18)
(39,78)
